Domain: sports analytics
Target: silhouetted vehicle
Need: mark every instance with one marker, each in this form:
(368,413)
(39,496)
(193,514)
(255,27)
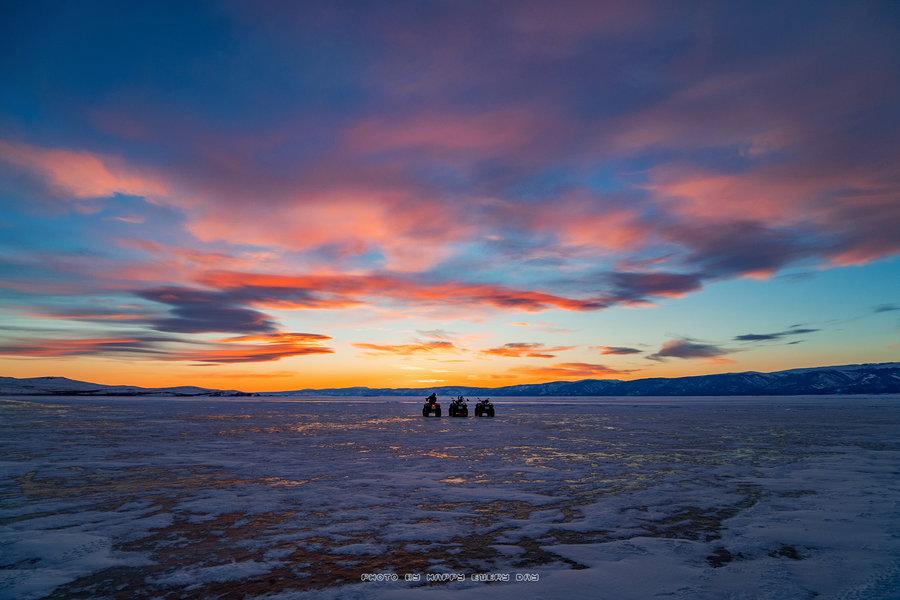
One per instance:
(484,408)
(459,408)
(431,407)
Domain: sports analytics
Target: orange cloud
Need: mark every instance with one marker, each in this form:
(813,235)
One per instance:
(239,349)
(526,350)
(408,349)
(258,348)
(568,370)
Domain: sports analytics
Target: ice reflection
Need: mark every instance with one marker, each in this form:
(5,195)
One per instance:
(453,480)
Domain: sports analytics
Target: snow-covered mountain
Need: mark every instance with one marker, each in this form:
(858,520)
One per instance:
(880,378)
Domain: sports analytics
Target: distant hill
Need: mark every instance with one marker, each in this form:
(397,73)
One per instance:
(881,378)
(62,386)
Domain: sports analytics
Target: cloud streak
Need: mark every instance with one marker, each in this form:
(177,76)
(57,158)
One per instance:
(764,337)
(686,349)
(121,345)
(432,347)
(238,349)
(618,350)
(197,311)
(340,290)
(525,350)
(568,370)
(258,348)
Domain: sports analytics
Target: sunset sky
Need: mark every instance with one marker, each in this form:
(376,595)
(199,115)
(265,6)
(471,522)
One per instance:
(277,195)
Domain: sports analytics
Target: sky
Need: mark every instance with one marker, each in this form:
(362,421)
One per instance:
(281,195)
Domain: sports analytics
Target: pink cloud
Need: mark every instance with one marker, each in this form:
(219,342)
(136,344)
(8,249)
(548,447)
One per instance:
(352,213)
(853,209)
(707,195)
(412,233)
(482,133)
(582,221)
(82,174)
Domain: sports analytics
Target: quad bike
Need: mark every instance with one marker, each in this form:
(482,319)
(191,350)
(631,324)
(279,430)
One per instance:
(431,408)
(484,408)
(459,408)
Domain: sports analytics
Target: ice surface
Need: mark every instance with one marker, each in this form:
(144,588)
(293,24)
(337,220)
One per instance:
(605,498)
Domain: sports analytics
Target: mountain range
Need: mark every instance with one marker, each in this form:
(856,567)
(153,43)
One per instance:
(878,378)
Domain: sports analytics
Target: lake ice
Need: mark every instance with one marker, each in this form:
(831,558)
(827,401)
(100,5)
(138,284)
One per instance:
(691,498)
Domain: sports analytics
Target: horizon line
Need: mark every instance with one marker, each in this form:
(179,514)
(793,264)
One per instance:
(878,364)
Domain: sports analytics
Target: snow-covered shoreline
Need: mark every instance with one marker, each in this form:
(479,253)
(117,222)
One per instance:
(688,498)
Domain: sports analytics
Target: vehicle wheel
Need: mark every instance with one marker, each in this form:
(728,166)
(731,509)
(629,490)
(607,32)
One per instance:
(425,411)
(490,412)
(437,411)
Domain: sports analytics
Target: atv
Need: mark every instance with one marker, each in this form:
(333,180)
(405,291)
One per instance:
(431,407)
(459,408)
(484,408)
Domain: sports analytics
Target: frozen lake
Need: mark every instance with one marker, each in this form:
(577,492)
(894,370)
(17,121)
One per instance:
(617,498)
